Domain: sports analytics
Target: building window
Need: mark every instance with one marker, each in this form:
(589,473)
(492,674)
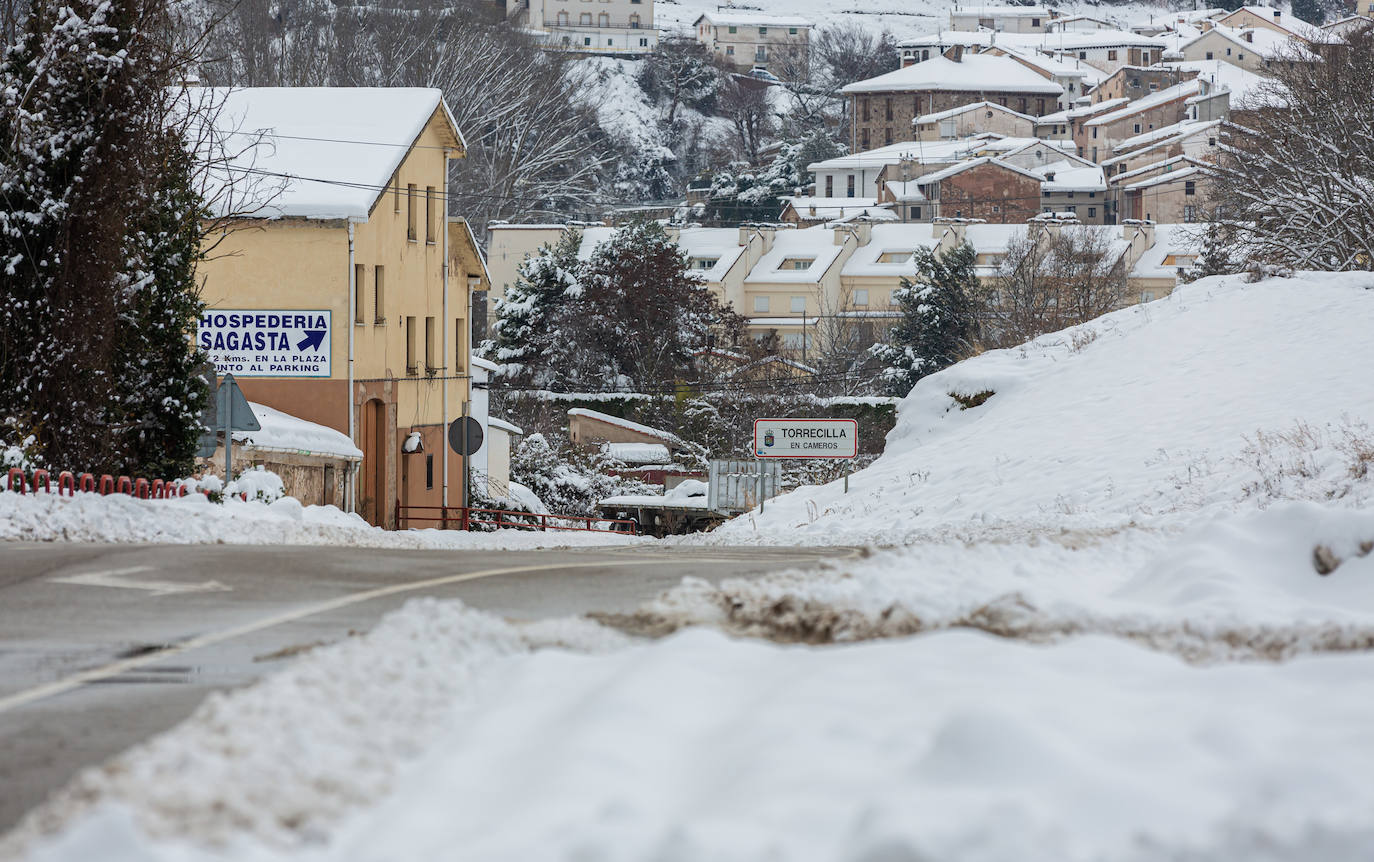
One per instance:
(634,22)
(850,189)
(603,20)
(1190,213)
(734,29)
(915,212)
(866,144)
(644,42)
(791,31)
(359,297)
(1137,128)
(429,214)
(1209,55)
(887,108)
(763,31)
(1147,296)
(563,18)
(863,105)
(587,41)
(729,50)
(761,54)
(887,136)
(760,303)
(431,346)
(797,263)
(798,305)
(412,366)
(1111,55)
(861,297)
(1035,22)
(1082,55)
(1189,187)
(379,295)
(829,186)
(429,472)
(410,212)
(1092,212)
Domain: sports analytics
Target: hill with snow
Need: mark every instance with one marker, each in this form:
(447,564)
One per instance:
(1224,396)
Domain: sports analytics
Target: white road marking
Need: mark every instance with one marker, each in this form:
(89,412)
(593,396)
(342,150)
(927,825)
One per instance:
(77,680)
(119,579)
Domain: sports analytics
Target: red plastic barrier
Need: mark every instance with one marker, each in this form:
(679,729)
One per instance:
(86,483)
(66,482)
(42,475)
(107,484)
(125,485)
(158,490)
(181,491)
(17,471)
(141,488)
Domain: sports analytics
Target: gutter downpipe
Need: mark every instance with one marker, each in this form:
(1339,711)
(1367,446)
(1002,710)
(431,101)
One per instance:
(351,317)
(443,341)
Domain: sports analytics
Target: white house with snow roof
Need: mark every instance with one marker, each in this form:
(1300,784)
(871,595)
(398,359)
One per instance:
(608,27)
(748,39)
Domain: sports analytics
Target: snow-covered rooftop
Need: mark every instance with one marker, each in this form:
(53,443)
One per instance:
(1170,239)
(667,437)
(1071,177)
(953,170)
(753,19)
(972,106)
(974,73)
(312,152)
(1063,117)
(282,432)
(815,245)
(1145,103)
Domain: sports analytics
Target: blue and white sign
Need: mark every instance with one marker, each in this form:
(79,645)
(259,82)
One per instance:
(266,343)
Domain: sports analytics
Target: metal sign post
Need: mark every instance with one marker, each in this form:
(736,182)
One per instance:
(232,413)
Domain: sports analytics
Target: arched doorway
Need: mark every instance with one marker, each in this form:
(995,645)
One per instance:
(372,484)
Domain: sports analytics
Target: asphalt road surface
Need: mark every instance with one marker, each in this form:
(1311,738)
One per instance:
(103,646)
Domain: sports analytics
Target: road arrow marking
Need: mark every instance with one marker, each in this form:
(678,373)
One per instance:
(119,579)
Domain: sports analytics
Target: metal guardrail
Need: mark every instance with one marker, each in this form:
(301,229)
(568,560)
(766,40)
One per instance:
(466,518)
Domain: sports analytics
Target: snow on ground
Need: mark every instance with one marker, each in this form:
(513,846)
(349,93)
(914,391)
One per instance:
(193,519)
(1224,395)
(442,730)
(1125,612)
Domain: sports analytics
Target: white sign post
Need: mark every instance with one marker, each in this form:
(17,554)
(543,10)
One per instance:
(266,343)
(806,438)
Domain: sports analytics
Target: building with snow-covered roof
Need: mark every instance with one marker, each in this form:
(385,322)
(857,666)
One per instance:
(968,120)
(984,187)
(1098,136)
(1345,27)
(612,27)
(1275,20)
(1001,18)
(744,40)
(883,108)
(1252,49)
(339,292)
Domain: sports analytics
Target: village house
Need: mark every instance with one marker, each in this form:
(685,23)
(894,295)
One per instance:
(612,27)
(1253,49)
(1174,191)
(781,44)
(968,120)
(1137,82)
(884,107)
(338,291)
(1008,19)
(1098,137)
(1076,187)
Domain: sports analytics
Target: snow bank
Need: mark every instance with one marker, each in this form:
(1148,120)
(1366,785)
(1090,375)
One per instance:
(953,746)
(193,520)
(1223,395)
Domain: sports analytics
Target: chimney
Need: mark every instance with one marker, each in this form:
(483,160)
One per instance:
(1141,235)
(674,232)
(1250,36)
(948,233)
(863,231)
(955,53)
(1278,15)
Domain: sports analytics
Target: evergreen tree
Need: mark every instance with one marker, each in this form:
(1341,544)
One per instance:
(1216,257)
(525,329)
(1309,10)
(939,325)
(83,113)
(625,319)
(155,372)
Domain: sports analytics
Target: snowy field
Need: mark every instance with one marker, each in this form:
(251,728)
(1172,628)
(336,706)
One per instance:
(1121,609)
(194,520)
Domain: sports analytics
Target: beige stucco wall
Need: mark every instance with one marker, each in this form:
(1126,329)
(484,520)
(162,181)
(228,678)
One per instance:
(984,118)
(508,246)
(304,264)
(740,48)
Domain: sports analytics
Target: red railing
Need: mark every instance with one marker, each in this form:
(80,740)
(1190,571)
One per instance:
(69,483)
(465,518)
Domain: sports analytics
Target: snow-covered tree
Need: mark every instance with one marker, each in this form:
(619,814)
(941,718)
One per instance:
(679,72)
(1216,256)
(1295,184)
(939,324)
(90,171)
(625,319)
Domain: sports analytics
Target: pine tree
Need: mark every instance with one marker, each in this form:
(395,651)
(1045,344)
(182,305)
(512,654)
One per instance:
(939,325)
(1309,11)
(155,372)
(1216,256)
(83,98)
(526,329)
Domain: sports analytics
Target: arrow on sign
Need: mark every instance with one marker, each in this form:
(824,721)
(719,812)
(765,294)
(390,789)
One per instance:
(313,339)
(118,578)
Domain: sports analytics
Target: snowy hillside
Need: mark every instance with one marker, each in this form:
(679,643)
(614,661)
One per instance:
(1225,395)
(903,18)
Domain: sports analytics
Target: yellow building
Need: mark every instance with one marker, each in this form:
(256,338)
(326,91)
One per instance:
(339,290)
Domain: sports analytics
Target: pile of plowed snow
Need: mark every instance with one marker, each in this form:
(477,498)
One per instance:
(1225,395)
